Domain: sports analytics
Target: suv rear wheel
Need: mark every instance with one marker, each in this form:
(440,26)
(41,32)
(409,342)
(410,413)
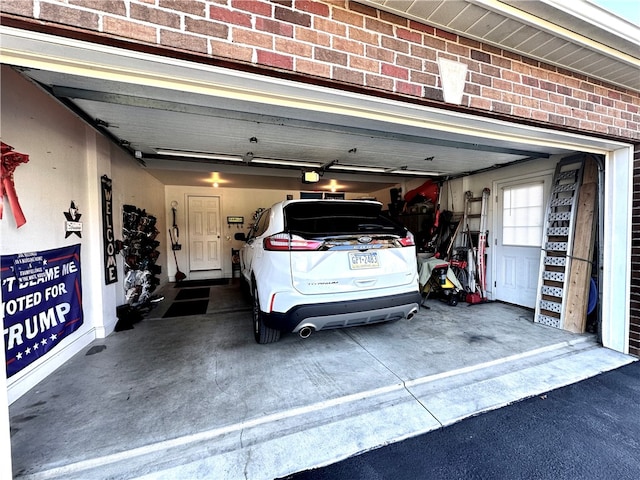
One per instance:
(263,334)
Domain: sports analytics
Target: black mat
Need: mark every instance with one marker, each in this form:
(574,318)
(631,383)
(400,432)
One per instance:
(202,283)
(192,293)
(183,309)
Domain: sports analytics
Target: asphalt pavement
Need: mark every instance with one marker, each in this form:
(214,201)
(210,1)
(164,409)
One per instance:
(588,430)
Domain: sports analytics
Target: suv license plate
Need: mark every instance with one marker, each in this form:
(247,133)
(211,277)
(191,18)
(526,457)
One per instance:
(363,260)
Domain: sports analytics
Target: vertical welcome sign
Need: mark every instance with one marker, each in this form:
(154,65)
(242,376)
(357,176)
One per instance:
(110,265)
(41,303)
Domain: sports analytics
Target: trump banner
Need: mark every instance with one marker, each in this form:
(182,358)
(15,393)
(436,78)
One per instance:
(41,303)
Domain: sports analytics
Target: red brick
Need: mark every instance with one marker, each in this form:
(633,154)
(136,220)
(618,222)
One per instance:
(68,16)
(522,90)
(17,7)
(433,94)
(423,78)
(490,70)
(434,42)
(501,85)
(409,35)
(409,88)
(446,35)
(183,41)
(363,9)
(381,83)
(191,7)
(206,27)
(394,44)
(376,25)
(230,50)
(348,46)
(228,16)
(491,93)
(367,64)
(408,61)
(423,52)
(364,36)
(472,89)
(273,59)
(344,16)
(348,75)
(155,16)
(422,27)
(469,42)
(480,103)
(394,71)
(391,18)
(379,54)
(501,107)
(130,30)
(272,26)
(492,49)
(312,36)
(313,7)
(455,49)
(313,68)
(481,79)
(329,26)
(249,37)
(116,7)
(290,16)
(330,56)
(292,47)
(253,6)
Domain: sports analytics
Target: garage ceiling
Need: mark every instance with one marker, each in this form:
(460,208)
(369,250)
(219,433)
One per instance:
(193,133)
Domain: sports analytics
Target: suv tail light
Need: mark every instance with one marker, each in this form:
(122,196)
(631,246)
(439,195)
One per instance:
(408,240)
(283,241)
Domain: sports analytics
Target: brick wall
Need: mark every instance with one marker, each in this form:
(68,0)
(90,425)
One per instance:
(634,330)
(346,42)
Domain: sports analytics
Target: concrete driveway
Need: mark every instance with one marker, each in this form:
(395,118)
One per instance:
(196,397)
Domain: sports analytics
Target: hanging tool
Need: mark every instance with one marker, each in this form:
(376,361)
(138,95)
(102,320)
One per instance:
(179,275)
(176,232)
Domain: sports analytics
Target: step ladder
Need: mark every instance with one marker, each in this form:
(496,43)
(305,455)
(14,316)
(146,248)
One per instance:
(476,248)
(557,244)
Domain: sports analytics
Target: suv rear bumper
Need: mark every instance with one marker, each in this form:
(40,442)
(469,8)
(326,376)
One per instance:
(325,316)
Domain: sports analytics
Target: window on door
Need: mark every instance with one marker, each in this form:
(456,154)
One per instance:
(522,215)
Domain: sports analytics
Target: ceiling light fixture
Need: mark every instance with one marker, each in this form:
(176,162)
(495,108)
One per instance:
(414,172)
(285,163)
(357,168)
(193,154)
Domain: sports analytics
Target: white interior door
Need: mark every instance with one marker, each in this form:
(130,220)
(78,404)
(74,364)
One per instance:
(520,210)
(204,233)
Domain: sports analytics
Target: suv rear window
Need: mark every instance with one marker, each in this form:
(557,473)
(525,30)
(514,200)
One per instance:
(338,218)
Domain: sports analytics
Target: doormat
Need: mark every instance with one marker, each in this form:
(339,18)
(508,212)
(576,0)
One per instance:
(192,293)
(202,283)
(183,309)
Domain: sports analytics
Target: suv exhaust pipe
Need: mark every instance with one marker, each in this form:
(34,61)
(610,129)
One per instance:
(306,331)
(412,313)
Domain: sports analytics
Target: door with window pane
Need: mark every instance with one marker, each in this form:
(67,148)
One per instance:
(520,212)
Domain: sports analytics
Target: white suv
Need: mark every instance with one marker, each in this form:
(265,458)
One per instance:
(320,264)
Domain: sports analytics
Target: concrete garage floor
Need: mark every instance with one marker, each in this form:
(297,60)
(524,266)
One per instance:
(195,397)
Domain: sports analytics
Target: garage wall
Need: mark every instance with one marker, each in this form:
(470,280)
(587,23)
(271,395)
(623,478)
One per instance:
(66,160)
(352,44)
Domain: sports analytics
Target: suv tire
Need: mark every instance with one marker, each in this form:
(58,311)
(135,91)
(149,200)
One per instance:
(263,334)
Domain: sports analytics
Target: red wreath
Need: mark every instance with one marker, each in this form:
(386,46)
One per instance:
(10,161)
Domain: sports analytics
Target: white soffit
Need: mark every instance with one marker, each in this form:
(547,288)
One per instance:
(576,35)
